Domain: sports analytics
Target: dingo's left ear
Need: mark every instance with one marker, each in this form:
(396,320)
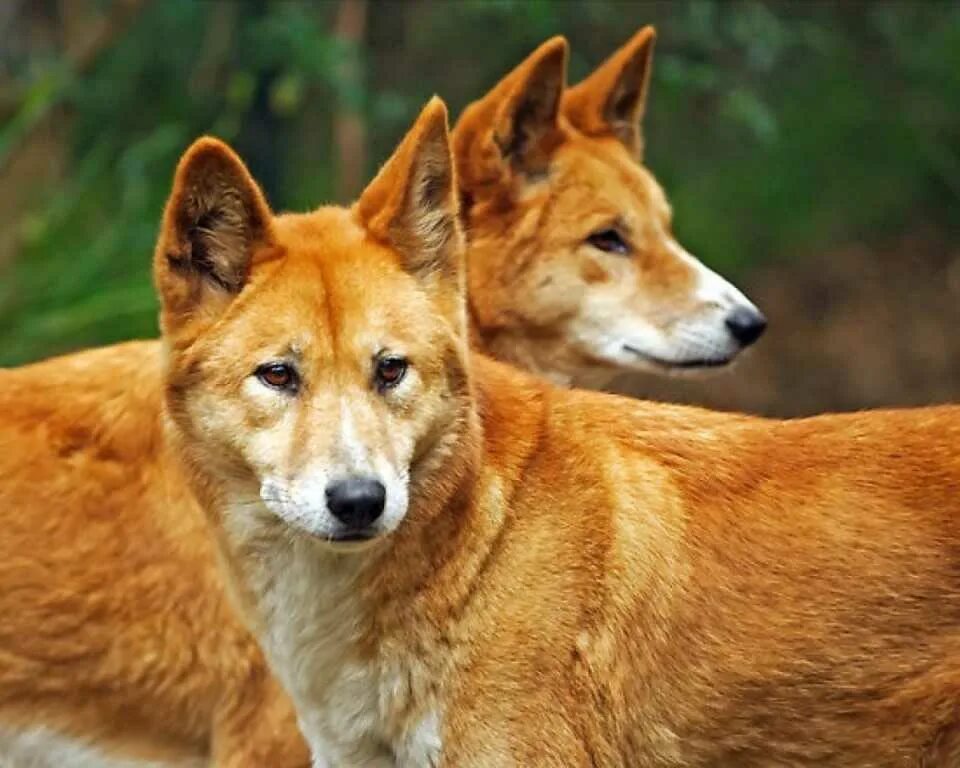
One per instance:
(412,202)
(215,221)
(611,101)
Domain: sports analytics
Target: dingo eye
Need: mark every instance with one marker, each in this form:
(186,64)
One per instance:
(609,241)
(278,376)
(390,371)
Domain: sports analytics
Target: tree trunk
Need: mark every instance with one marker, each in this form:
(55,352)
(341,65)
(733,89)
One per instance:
(349,132)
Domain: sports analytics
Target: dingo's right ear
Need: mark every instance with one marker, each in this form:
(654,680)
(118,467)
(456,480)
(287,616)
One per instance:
(214,223)
(514,126)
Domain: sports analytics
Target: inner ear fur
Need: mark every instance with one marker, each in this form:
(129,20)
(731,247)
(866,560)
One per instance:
(612,100)
(412,203)
(215,221)
(515,126)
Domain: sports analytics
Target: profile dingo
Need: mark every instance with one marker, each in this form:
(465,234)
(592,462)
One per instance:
(573,269)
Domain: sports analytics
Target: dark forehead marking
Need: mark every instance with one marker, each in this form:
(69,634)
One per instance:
(311,276)
(333,328)
(553,193)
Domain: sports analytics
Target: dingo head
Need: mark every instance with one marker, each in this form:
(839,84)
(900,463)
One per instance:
(316,362)
(573,268)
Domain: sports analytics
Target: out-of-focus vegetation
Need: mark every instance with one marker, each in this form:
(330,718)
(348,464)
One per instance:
(778,129)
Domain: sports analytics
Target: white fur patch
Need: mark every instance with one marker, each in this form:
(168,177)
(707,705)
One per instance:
(301,499)
(44,748)
(661,338)
(311,620)
(422,746)
(711,288)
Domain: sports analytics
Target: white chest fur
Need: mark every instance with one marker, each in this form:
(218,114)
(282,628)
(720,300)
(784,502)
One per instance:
(378,712)
(45,748)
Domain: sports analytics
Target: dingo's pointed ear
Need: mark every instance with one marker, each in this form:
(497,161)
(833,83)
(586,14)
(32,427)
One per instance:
(515,125)
(611,101)
(214,223)
(412,202)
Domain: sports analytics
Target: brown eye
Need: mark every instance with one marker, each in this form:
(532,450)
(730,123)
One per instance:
(278,376)
(609,241)
(390,371)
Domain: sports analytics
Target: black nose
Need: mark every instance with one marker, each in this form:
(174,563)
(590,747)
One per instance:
(356,501)
(746,325)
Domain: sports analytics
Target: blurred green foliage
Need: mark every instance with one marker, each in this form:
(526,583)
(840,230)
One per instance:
(776,128)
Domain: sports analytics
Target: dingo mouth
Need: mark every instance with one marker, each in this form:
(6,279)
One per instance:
(679,364)
(351,541)
(352,536)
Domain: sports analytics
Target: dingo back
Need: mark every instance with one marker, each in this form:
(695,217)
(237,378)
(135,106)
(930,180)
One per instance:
(573,269)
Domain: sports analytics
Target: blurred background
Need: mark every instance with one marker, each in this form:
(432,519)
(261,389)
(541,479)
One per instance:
(811,151)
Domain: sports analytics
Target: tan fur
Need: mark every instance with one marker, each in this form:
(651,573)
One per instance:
(576,579)
(541,168)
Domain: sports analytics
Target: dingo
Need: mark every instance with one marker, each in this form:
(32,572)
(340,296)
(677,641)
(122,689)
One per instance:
(573,269)
(449,562)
